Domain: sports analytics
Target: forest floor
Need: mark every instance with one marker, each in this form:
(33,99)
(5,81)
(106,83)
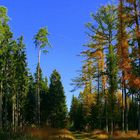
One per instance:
(55,134)
(101,135)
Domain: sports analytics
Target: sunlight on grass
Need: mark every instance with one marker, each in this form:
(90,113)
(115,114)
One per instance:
(132,135)
(63,134)
(102,135)
(50,133)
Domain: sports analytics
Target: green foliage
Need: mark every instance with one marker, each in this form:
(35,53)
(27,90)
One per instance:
(57,102)
(30,103)
(43,101)
(41,41)
(41,38)
(112,53)
(103,51)
(76,116)
(3,20)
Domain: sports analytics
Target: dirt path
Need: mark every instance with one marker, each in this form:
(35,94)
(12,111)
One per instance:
(83,136)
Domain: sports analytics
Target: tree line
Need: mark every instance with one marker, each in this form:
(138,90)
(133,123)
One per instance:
(110,73)
(27,99)
(109,77)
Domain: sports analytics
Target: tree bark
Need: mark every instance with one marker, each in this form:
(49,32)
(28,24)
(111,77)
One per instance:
(106,113)
(111,122)
(139,113)
(138,41)
(126,112)
(38,88)
(122,110)
(13,116)
(98,96)
(0,105)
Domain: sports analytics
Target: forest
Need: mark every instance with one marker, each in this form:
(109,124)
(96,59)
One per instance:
(33,107)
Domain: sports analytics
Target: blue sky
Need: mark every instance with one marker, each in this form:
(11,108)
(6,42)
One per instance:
(65,20)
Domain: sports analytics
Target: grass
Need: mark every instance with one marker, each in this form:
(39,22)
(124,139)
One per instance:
(63,134)
(102,135)
(82,136)
(131,135)
(50,134)
(15,136)
(38,134)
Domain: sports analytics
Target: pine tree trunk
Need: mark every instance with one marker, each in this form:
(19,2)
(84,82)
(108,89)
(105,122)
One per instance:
(132,117)
(5,114)
(13,116)
(126,112)
(122,110)
(16,113)
(16,117)
(106,117)
(138,40)
(137,27)
(106,112)
(111,89)
(0,105)
(7,92)
(111,122)
(98,96)
(112,115)
(38,88)
(139,113)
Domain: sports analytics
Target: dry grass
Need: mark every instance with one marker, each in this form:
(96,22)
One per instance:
(50,133)
(131,135)
(102,135)
(118,135)
(63,134)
